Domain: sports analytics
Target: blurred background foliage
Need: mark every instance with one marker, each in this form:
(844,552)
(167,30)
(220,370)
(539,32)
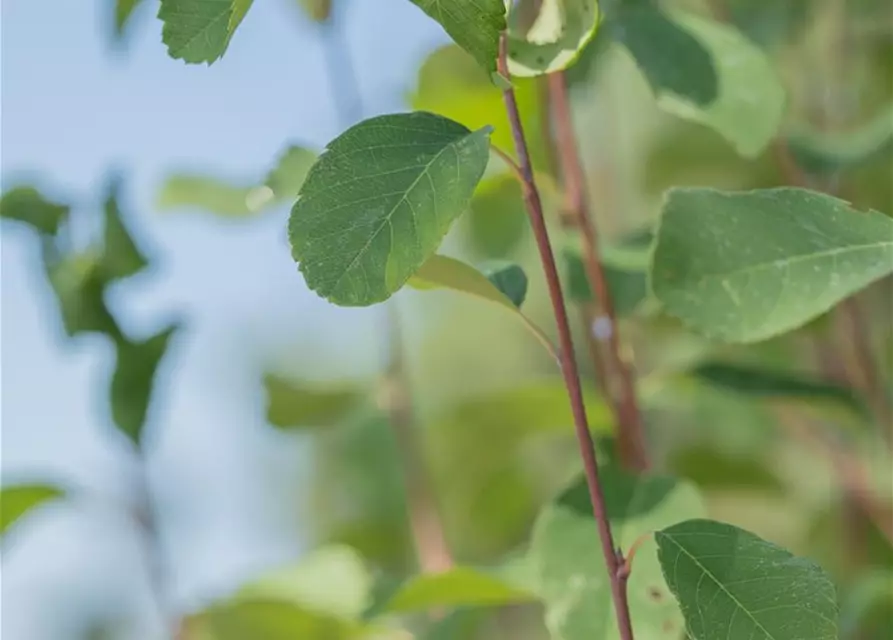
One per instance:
(766,431)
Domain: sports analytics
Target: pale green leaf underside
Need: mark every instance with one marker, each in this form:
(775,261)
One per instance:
(457,587)
(571,570)
(449,273)
(732,584)
(16,501)
(475,25)
(746,266)
(197,31)
(561,31)
(378,202)
(751,99)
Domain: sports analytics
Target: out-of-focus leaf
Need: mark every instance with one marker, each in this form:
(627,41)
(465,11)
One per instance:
(766,383)
(733,584)
(17,500)
(222,198)
(123,11)
(830,152)
(746,266)
(712,468)
(556,39)
(456,587)
(28,205)
(267,619)
(705,71)
(770,23)
(318,10)
(867,610)
(410,176)
(571,568)
(510,279)
(444,272)
(133,380)
(78,284)
(331,580)
(497,220)
(450,83)
(300,405)
(628,287)
(458,625)
(121,258)
(197,31)
(475,25)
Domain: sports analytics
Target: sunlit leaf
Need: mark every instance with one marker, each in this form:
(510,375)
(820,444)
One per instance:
(17,501)
(28,205)
(571,569)
(331,580)
(295,404)
(830,152)
(197,31)
(456,587)
(378,202)
(220,197)
(79,286)
(269,619)
(134,379)
(475,25)
(121,258)
(745,266)
(732,584)
(449,273)
(556,39)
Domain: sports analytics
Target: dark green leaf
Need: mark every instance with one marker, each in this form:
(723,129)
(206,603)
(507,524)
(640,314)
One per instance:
(266,619)
(123,11)
(17,500)
(133,380)
(510,279)
(378,202)
(79,286)
(197,31)
(571,568)
(331,580)
(557,37)
(298,405)
(628,287)
(28,205)
(456,587)
(121,257)
(732,584)
(746,266)
(475,25)
(766,383)
(831,152)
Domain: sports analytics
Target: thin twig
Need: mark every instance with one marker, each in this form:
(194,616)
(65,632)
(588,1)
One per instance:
(509,162)
(613,557)
(620,383)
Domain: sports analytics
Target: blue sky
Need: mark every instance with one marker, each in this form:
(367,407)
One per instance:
(73,109)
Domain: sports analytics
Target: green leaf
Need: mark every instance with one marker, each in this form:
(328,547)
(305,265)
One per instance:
(475,25)
(556,39)
(121,258)
(766,383)
(28,205)
(79,286)
(869,603)
(133,380)
(456,587)
(449,273)
(331,580)
(571,568)
(628,287)
(510,279)
(298,405)
(267,619)
(738,94)
(497,220)
(232,201)
(378,202)
(197,31)
(825,153)
(18,500)
(317,10)
(123,11)
(458,625)
(732,584)
(746,266)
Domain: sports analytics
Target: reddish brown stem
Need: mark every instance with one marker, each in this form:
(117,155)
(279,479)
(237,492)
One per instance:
(620,384)
(613,557)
